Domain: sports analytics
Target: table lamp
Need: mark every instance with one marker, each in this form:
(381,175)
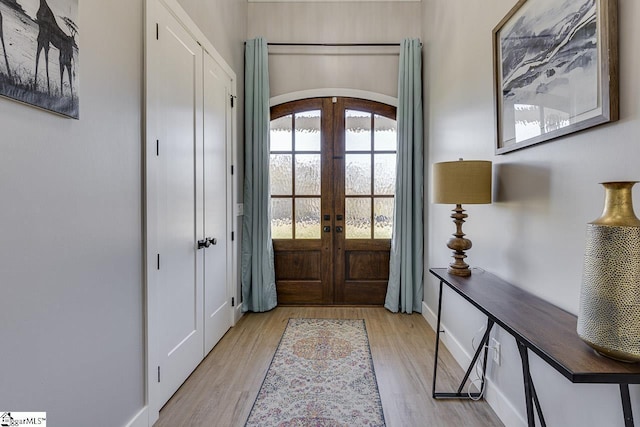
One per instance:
(458,183)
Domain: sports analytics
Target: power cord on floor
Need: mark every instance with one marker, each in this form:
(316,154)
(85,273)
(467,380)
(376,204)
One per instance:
(480,376)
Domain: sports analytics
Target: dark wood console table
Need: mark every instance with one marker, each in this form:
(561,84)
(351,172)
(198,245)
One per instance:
(539,326)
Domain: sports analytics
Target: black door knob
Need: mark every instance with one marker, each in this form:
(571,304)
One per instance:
(339,229)
(203,243)
(212,241)
(326,229)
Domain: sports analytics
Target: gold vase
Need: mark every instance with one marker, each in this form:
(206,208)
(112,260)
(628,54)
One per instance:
(609,313)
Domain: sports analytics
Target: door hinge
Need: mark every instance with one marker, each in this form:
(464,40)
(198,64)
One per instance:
(157,147)
(233,235)
(233,97)
(231,169)
(158,373)
(233,302)
(157,31)
(158,261)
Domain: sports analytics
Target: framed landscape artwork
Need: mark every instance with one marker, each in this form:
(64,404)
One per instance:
(555,70)
(39,54)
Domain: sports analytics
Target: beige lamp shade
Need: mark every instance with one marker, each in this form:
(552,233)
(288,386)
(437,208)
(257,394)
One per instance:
(462,182)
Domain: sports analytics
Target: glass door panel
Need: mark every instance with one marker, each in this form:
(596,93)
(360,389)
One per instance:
(370,173)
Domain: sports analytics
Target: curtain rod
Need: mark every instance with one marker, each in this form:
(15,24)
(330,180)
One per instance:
(333,44)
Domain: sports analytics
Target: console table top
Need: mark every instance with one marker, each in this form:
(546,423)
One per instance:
(547,330)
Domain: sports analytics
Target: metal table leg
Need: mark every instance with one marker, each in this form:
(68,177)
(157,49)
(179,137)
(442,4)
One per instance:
(530,395)
(626,405)
(482,346)
(435,363)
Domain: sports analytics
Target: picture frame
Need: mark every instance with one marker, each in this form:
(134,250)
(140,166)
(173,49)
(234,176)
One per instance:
(39,54)
(555,70)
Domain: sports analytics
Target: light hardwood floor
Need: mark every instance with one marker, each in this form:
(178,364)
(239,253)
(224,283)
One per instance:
(221,391)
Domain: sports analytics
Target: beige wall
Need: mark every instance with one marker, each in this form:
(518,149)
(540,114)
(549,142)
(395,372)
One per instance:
(533,235)
(368,69)
(71,260)
(71,226)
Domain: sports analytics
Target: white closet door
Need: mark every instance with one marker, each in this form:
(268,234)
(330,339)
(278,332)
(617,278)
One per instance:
(179,204)
(217,112)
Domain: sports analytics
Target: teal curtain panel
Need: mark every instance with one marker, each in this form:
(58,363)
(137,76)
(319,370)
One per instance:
(405,289)
(258,272)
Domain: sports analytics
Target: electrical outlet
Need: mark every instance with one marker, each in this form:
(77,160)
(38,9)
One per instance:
(495,347)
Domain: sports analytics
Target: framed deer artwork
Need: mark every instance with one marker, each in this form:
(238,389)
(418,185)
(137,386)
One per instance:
(39,52)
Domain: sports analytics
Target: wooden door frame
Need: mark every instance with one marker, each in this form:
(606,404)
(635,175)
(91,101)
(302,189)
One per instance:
(332,245)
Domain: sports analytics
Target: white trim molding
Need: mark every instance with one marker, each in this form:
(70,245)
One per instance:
(237,313)
(326,92)
(141,419)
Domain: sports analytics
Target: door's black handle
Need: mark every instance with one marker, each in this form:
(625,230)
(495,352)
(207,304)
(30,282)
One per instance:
(203,243)
(212,241)
(339,229)
(326,229)
(339,217)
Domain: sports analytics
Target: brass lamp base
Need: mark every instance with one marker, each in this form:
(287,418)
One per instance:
(458,244)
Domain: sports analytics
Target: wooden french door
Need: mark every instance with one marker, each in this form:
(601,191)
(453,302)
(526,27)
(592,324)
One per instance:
(332,170)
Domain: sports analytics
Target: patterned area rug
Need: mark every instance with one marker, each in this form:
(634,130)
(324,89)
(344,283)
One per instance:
(321,375)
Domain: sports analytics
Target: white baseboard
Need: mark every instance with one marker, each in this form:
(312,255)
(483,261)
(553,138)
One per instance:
(503,408)
(237,314)
(141,419)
